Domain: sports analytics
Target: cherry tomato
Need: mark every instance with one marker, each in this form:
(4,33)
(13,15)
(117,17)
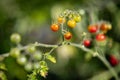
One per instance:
(36,65)
(61,20)
(109,26)
(77,18)
(100,37)
(113,60)
(92,28)
(68,35)
(22,60)
(31,49)
(105,27)
(54,27)
(28,66)
(15,38)
(87,43)
(15,52)
(37,55)
(71,23)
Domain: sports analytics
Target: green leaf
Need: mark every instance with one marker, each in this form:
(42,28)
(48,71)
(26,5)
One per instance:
(2,76)
(51,58)
(43,73)
(2,66)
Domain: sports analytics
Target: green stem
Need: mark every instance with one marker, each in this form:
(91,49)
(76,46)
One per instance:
(62,31)
(39,44)
(2,56)
(98,56)
(52,50)
(109,66)
(76,45)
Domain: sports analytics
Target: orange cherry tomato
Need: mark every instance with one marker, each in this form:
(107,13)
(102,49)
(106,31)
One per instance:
(105,27)
(61,20)
(54,27)
(68,35)
(71,23)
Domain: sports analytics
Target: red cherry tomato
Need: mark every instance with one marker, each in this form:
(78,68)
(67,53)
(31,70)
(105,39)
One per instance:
(92,28)
(87,43)
(100,37)
(113,60)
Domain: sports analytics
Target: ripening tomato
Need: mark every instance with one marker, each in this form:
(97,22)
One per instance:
(61,20)
(54,27)
(77,18)
(71,23)
(68,35)
(87,43)
(92,28)
(105,27)
(100,37)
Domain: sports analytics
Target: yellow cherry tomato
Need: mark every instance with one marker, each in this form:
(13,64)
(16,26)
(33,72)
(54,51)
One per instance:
(61,20)
(71,23)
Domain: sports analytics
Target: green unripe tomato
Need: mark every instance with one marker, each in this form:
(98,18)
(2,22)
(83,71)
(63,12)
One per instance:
(36,65)
(77,18)
(28,66)
(15,52)
(88,56)
(15,38)
(37,55)
(31,49)
(22,60)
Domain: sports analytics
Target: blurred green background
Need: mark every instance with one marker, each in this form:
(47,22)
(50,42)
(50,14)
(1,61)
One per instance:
(32,19)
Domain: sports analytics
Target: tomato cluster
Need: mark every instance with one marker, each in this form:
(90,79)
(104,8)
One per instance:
(102,27)
(30,54)
(98,31)
(70,18)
